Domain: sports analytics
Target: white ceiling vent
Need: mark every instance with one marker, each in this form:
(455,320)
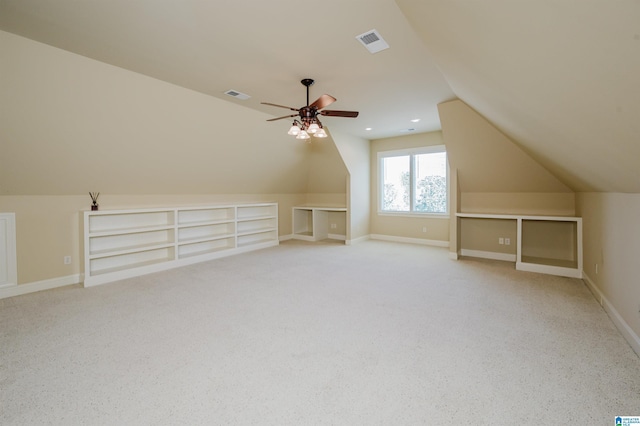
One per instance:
(237,95)
(373,41)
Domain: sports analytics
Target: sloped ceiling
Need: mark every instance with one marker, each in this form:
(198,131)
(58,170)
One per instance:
(558,77)
(261,48)
(561,78)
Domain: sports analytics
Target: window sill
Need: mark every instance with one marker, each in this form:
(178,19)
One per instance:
(415,215)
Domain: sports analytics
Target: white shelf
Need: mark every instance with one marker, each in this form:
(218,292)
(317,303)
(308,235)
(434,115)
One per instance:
(546,244)
(206,216)
(311,223)
(125,243)
(127,250)
(257,238)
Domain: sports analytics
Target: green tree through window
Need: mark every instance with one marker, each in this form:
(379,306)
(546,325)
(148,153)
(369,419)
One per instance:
(414,181)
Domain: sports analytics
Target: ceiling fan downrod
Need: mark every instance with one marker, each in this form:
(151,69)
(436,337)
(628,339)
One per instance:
(307,82)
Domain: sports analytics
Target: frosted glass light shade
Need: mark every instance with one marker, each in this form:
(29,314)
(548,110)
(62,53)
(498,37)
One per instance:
(313,128)
(320,134)
(294,130)
(303,135)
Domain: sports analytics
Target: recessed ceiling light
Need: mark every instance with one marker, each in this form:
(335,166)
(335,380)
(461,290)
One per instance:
(415,120)
(368,128)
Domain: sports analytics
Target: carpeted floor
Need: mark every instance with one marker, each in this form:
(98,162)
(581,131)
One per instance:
(376,333)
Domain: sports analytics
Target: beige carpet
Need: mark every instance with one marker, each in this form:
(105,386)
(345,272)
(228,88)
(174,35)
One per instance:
(318,334)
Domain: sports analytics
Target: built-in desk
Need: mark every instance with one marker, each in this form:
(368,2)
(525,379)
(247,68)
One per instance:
(313,223)
(546,244)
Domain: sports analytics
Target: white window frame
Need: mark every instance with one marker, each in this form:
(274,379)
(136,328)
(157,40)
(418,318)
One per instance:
(411,152)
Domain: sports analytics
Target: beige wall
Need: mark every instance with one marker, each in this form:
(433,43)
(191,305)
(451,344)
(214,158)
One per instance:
(326,170)
(407,226)
(71,125)
(529,203)
(355,153)
(488,161)
(50,227)
(483,235)
(495,176)
(612,242)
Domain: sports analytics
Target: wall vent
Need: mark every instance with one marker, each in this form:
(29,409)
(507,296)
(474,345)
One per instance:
(237,95)
(373,41)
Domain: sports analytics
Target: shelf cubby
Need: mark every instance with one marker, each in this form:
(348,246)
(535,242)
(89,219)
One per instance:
(312,223)
(545,244)
(122,222)
(206,215)
(256,238)
(205,247)
(204,232)
(256,225)
(250,212)
(124,243)
(116,263)
(105,244)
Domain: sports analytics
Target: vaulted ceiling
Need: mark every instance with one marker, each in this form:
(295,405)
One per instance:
(560,78)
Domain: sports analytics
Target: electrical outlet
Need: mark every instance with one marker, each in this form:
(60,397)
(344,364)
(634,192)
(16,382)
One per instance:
(334,226)
(507,241)
(424,229)
(596,269)
(500,240)
(67,260)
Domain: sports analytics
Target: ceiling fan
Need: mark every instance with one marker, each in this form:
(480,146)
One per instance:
(308,123)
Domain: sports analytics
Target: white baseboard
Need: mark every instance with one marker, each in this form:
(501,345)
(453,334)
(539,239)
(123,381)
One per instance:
(357,240)
(489,255)
(453,255)
(630,336)
(309,238)
(18,290)
(436,243)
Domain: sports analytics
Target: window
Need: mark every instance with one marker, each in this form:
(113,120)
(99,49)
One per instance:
(413,181)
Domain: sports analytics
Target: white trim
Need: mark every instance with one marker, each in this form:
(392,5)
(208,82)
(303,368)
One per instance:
(21,289)
(411,152)
(285,237)
(627,332)
(453,255)
(340,237)
(549,269)
(537,267)
(428,149)
(507,257)
(422,241)
(419,215)
(357,240)
(9,249)
(171,264)
(518,216)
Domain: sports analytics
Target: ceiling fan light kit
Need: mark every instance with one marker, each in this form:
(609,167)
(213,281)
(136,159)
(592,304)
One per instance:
(308,122)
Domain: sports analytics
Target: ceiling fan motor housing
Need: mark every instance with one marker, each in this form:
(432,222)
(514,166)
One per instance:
(309,114)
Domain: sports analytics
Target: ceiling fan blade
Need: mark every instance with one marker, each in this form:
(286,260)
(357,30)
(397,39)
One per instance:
(323,101)
(285,116)
(279,106)
(334,113)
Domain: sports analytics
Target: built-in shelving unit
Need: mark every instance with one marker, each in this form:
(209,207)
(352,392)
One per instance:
(311,223)
(546,244)
(125,243)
